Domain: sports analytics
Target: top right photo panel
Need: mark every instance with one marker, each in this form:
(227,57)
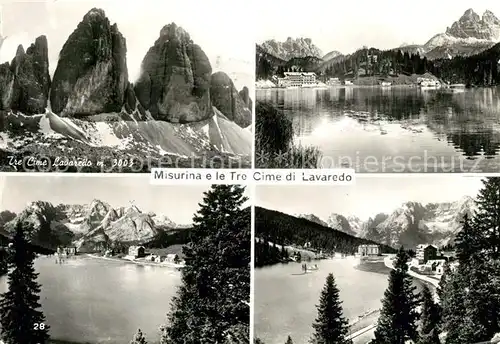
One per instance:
(379,87)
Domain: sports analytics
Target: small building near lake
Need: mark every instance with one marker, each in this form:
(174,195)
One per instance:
(297,79)
(137,251)
(437,265)
(172,258)
(69,251)
(368,250)
(426,252)
(333,81)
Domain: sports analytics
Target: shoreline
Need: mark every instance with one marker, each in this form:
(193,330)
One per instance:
(143,263)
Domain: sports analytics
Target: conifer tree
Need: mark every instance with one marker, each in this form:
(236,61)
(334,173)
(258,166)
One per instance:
(214,295)
(481,320)
(21,319)
(429,319)
(469,241)
(444,279)
(330,326)
(3,261)
(397,322)
(139,338)
(453,307)
(487,217)
(289,340)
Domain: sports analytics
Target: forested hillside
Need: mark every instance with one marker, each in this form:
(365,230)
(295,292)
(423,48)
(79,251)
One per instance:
(284,229)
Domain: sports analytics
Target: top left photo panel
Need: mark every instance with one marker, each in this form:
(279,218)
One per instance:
(122,87)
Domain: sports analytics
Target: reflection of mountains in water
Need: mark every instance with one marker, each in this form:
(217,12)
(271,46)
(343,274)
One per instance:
(468,121)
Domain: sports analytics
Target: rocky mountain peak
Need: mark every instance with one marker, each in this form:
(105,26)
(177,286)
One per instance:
(37,206)
(133,209)
(173,31)
(226,98)
(471,25)
(489,17)
(91,75)
(98,205)
(174,84)
(89,224)
(470,14)
(290,48)
(20,50)
(95,14)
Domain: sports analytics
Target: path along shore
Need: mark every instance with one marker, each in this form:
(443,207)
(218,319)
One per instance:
(364,334)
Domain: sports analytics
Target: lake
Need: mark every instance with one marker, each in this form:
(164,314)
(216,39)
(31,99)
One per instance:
(285,299)
(103,301)
(396,129)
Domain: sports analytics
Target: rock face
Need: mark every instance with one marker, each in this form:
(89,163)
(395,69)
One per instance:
(245,95)
(409,225)
(300,47)
(25,83)
(470,35)
(91,75)
(226,99)
(88,226)
(340,223)
(313,218)
(175,80)
(471,25)
(6,86)
(413,223)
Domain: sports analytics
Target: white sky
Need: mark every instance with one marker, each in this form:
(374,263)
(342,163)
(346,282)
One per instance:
(178,203)
(368,196)
(348,25)
(221,27)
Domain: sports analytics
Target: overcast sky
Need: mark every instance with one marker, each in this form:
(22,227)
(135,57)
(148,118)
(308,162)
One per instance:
(368,196)
(178,203)
(221,27)
(348,25)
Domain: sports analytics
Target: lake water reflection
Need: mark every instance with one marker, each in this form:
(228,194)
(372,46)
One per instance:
(396,129)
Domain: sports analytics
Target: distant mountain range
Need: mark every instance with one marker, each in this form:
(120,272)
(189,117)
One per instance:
(469,35)
(178,106)
(409,225)
(285,229)
(299,47)
(89,226)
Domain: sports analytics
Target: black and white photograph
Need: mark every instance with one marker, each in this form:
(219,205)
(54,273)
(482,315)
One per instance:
(378,86)
(385,261)
(114,86)
(92,260)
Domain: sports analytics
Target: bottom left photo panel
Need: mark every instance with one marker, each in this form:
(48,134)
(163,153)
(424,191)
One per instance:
(105,259)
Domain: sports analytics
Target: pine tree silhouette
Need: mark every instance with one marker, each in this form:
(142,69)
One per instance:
(397,322)
(330,326)
(212,302)
(21,319)
(430,317)
(139,338)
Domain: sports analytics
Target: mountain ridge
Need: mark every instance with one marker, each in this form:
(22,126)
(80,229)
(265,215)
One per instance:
(292,47)
(471,34)
(285,229)
(410,224)
(90,226)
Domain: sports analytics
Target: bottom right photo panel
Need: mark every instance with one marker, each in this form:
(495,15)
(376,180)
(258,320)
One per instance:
(387,260)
